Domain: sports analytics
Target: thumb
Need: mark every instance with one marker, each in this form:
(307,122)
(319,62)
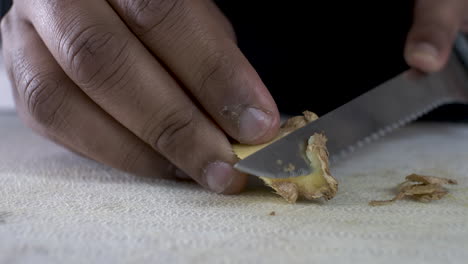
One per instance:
(435,26)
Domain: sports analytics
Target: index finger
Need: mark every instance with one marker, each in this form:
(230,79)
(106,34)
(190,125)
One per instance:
(116,71)
(195,41)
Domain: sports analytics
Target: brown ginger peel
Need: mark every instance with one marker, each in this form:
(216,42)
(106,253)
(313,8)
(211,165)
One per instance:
(319,184)
(420,188)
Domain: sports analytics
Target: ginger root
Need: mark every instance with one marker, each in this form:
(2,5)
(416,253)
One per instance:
(420,188)
(319,184)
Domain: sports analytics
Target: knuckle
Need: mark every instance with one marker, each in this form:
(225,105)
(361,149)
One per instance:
(43,99)
(216,70)
(148,15)
(168,131)
(94,55)
(39,92)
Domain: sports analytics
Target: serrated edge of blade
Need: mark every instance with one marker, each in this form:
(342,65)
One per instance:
(388,129)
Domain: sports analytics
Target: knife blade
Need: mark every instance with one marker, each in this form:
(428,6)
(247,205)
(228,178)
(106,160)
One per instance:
(369,116)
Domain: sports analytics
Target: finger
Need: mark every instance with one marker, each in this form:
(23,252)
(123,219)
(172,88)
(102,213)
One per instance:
(112,67)
(433,32)
(53,106)
(195,41)
(222,22)
(464,26)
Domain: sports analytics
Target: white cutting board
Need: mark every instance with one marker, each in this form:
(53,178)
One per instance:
(56,207)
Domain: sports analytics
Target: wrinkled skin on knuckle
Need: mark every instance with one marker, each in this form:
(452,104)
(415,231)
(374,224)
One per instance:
(36,88)
(167,131)
(148,15)
(216,70)
(41,96)
(93,53)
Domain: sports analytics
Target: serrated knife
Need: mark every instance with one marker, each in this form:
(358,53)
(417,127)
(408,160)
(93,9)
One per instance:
(382,109)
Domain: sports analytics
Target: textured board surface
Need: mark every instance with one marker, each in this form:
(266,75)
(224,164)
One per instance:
(56,207)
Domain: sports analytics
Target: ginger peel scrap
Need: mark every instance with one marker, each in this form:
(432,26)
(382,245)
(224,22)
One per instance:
(319,184)
(420,188)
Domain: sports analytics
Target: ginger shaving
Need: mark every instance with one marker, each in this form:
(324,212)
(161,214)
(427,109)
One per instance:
(420,188)
(319,184)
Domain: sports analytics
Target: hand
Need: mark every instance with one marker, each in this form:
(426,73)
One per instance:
(431,38)
(151,87)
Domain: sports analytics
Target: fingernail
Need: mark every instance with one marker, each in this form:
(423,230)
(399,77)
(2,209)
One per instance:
(253,124)
(219,176)
(426,52)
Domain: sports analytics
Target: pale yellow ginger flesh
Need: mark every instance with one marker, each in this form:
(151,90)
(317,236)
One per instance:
(319,184)
(420,188)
